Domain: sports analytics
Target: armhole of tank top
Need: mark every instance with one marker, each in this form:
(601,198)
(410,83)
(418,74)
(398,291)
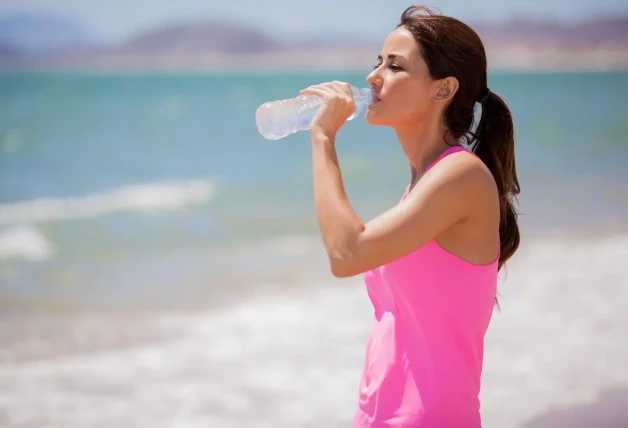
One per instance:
(450,151)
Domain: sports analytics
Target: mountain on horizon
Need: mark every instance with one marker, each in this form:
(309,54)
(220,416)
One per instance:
(42,33)
(35,34)
(588,33)
(214,36)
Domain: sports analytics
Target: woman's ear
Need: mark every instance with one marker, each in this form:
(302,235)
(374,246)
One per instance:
(448,87)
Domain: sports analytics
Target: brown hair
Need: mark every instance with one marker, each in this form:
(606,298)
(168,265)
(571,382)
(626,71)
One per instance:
(452,48)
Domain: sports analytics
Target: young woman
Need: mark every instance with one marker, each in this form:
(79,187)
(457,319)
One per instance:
(430,263)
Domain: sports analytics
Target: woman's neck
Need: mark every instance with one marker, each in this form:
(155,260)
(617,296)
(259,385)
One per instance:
(422,145)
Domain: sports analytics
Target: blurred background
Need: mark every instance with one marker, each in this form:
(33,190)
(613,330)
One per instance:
(159,260)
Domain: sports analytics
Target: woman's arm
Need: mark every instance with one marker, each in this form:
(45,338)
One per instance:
(442,198)
(439,200)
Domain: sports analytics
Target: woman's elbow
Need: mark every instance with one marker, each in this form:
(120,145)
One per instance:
(344,259)
(340,271)
(343,267)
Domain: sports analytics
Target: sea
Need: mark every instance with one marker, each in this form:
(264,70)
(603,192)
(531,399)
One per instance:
(160,262)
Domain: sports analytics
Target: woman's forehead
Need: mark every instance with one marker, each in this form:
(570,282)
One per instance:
(400,42)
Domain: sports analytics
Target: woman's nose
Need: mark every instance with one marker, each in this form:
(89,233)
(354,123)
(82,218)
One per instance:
(374,78)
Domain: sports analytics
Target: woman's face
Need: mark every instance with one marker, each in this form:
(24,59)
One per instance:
(403,88)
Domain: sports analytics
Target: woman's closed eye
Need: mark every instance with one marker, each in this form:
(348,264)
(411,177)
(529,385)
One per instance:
(392,66)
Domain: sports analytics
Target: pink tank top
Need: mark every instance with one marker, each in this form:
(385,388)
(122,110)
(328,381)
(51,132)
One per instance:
(425,348)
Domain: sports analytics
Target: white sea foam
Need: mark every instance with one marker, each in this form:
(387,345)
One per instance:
(129,198)
(26,243)
(294,359)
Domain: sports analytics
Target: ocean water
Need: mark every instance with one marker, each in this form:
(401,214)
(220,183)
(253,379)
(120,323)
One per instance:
(159,260)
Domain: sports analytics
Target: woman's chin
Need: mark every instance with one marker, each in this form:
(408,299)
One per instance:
(373,118)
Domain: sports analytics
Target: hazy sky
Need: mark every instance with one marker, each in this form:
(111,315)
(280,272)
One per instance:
(117,19)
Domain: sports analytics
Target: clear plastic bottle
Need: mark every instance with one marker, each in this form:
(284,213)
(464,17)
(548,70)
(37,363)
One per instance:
(278,119)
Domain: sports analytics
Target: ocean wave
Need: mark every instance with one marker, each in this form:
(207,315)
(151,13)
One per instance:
(25,243)
(149,197)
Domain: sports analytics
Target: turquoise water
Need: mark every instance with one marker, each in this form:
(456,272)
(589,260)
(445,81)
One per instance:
(159,260)
(205,184)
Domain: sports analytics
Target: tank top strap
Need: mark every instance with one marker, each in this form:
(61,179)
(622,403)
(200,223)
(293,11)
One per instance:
(449,151)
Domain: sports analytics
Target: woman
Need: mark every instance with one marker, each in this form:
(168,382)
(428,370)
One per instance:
(430,263)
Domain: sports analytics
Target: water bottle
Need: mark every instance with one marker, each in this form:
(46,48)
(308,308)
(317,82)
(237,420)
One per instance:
(278,119)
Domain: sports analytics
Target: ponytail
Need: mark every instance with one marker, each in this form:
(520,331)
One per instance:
(495,146)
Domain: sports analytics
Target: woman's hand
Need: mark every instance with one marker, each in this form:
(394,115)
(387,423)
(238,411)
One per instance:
(338,105)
